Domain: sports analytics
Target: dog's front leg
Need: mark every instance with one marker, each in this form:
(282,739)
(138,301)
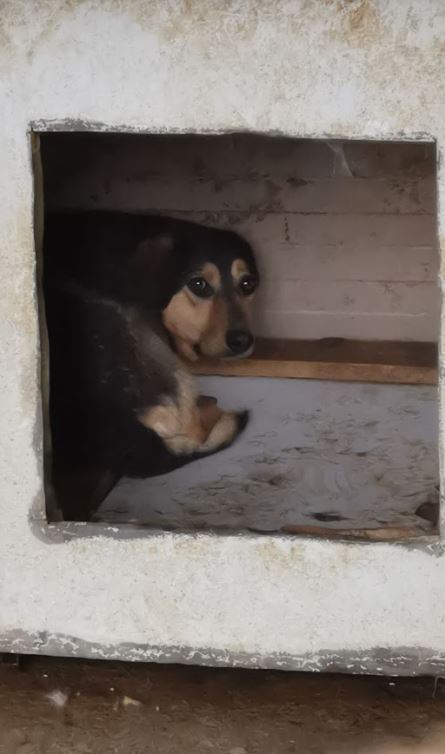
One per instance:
(190,424)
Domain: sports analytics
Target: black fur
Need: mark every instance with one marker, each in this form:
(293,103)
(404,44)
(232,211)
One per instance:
(106,274)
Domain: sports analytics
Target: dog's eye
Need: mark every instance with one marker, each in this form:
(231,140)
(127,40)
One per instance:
(248,284)
(200,287)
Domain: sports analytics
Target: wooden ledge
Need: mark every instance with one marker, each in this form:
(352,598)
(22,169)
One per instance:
(336,359)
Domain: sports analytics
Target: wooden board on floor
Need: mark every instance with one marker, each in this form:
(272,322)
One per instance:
(377,534)
(334,359)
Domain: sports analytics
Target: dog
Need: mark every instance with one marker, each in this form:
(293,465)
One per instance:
(130,299)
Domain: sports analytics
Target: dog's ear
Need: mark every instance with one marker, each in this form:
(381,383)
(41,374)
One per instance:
(152,255)
(154,270)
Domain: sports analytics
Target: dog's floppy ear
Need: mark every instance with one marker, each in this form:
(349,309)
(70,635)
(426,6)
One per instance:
(156,246)
(154,270)
(151,256)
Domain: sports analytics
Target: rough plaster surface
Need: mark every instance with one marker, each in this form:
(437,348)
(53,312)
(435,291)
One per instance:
(348,69)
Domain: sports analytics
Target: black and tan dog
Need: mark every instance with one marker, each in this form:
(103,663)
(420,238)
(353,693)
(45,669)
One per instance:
(129,299)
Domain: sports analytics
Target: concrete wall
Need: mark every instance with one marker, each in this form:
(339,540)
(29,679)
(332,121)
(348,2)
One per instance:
(346,233)
(360,69)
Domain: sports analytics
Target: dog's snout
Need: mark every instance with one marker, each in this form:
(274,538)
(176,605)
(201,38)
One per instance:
(239,341)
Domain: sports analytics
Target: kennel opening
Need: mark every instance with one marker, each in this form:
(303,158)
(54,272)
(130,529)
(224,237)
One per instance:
(341,387)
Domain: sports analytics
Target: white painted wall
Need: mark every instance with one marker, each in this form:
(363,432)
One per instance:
(362,69)
(346,235)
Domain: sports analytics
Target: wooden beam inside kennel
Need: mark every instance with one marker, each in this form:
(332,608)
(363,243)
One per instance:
(390,362)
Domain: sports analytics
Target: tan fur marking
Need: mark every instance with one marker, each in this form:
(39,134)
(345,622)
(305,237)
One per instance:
(213,340)
(192,320)
(210,273)
(186,317)
(185,349)
(164,420)
(238,269)
(192,424)
(246,306)
(177,422)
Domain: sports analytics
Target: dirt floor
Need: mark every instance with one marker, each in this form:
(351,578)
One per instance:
(50,706)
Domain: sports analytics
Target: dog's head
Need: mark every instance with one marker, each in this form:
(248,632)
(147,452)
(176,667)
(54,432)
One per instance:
(209,278)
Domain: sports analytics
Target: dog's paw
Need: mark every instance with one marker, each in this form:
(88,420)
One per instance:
(203,401)
(228,427)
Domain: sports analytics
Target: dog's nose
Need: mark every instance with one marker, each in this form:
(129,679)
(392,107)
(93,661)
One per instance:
(239,341)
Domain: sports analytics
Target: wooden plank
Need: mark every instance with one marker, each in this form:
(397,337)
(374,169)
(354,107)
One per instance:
(343,350)
(334,359)
(382,534)
(349,325)
(190,193)
(370,298)
(380,373)
(366,264)
(360,230)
